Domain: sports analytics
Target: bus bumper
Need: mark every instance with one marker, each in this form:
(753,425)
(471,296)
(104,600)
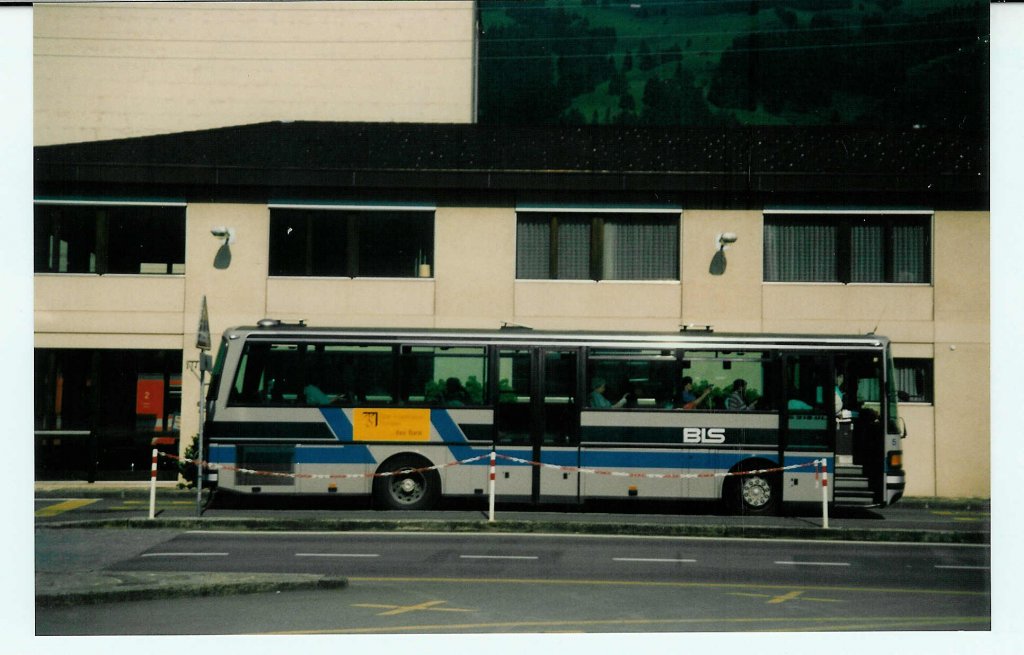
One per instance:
(895,483)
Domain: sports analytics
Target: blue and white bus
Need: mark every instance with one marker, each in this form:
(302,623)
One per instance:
(411,415)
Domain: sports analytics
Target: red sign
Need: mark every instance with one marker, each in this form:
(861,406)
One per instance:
(149,396)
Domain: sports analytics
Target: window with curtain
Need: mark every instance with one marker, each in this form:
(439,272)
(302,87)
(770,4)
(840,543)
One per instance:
(580,246)
(914,380)
(847,248)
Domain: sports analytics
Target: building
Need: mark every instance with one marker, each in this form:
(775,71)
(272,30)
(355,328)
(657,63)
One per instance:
(243,200)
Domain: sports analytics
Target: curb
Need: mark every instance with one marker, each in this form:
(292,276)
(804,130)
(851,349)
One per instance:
(544,527)
(139,587)
(169,489)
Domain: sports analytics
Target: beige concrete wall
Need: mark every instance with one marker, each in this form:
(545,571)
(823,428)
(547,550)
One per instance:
(731,302)
(475,266)
(919,450)
(900,312)
(235,295)
(112,70)
(363,302)
(597,305)
(114,306)
(962,435)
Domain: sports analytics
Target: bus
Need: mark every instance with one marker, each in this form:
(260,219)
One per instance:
(408,416)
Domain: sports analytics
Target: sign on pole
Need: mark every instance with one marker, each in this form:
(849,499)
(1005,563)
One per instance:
(203,333)
(203,344)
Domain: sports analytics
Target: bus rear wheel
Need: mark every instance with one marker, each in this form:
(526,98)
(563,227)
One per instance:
(753,493)
(409,486)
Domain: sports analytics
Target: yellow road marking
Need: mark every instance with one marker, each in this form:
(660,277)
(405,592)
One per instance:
(793,595)
(912,623)
(824,624)
(66,506)
(160,502)
(677,585)
(421,607)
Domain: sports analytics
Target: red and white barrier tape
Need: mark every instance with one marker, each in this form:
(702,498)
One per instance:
(566,469)
(658,476)
(320,476)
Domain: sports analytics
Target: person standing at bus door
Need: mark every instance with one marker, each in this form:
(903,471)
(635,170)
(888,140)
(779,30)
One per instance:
(840,400)
(597,399)
(455,395)
(839,393)
(737,400)
(688,399)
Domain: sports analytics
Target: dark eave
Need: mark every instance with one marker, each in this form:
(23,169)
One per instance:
(720,166)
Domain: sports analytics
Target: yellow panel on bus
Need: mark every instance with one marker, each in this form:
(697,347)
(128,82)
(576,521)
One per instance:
(391,425)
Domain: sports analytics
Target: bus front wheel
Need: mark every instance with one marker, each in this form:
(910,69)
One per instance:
(753,493)
(404,484)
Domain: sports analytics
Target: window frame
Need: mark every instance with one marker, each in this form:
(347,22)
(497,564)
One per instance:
(599,218)
(844,221)
(351,218)
(102,219)
(924,366)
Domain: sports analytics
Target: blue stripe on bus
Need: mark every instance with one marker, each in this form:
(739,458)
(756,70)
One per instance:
(338,422)
(682,459)
(351,454)
(446,426)
(222,454)
(608,460)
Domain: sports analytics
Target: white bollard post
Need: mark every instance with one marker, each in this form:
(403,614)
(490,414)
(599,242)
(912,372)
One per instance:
(152,486)
(824,493)
(490,490)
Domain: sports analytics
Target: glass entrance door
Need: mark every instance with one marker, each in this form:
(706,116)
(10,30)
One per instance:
(537,419)
(558,445)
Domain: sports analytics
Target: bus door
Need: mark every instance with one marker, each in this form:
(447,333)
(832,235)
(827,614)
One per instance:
(859,396)
(808,427)
(537,419)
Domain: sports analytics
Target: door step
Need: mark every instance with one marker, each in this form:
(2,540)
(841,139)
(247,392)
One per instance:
(852,487)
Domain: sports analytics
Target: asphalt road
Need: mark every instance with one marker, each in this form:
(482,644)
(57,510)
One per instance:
(481,583)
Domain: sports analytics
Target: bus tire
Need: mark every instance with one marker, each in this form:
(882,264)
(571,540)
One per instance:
(754,493)
(410,487)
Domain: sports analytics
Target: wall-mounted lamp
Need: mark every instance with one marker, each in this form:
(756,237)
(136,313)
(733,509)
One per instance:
(722,242)
(223,257)
(226,233)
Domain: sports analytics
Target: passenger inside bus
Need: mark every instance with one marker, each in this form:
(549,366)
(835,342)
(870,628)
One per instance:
(597,399)
(455,395)
(687,398)
(737,400)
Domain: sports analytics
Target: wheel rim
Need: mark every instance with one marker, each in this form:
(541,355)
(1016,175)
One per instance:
(756,492)
(407,489)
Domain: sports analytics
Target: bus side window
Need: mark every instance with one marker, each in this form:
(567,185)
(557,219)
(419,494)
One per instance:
(638,379)
(444,376)
(716,372)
